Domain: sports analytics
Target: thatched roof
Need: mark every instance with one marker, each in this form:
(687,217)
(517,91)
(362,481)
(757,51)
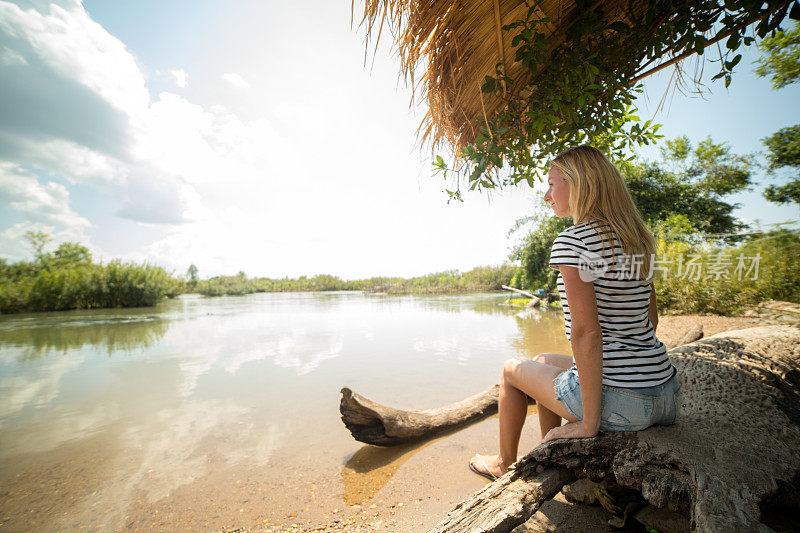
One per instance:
(457,43)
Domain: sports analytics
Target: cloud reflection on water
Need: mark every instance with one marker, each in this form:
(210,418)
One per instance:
(37,388)
(177,447)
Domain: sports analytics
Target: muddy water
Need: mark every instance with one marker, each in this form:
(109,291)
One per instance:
(213,413)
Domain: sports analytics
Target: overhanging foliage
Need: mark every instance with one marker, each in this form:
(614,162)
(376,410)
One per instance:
(560,74)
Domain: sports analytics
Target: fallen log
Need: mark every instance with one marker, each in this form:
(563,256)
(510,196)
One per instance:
(385,426)
(373,423)
(729,461)
(520,291)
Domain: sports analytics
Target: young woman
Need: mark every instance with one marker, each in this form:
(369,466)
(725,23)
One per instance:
(619,377)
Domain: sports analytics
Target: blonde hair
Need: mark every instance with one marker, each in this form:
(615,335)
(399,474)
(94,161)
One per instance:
(598,193)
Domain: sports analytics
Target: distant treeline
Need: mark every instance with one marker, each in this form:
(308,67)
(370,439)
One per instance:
(480,279)
(67,278)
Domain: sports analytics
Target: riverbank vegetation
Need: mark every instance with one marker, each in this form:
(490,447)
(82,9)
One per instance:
(68,278)
(711,277)
(480,279)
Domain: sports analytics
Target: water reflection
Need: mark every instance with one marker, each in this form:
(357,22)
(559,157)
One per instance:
(35,388)
(206,383)
(484,304)
(541,331)
(35,338)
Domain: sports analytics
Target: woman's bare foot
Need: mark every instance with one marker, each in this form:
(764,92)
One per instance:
(488,465)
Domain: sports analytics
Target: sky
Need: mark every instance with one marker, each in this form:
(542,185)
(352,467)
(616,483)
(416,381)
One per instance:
(255,136)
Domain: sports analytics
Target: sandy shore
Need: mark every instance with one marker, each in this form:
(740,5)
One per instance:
(427,481)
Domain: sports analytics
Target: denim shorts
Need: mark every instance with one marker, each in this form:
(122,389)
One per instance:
(623,409)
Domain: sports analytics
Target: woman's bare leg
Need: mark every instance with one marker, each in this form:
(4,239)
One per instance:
(522,378)
(547,418)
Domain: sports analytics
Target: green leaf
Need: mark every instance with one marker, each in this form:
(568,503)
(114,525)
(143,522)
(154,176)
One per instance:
(489,85)
(732,63)
(699,44)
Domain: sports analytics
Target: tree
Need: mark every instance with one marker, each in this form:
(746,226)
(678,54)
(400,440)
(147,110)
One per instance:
(534,251)
(191,273)
(690,182)
(711,167)
(660,195)
(38,240)
(784,151)
(71,254)
(781,58)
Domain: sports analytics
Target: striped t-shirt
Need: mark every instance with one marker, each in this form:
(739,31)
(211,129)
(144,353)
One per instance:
(633,357)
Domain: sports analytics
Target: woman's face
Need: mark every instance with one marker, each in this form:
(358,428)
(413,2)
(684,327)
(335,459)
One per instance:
(557,194)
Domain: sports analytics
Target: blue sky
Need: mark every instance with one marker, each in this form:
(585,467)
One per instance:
(251,136)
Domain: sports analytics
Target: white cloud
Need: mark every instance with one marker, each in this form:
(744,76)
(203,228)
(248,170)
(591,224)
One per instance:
(76,163)
(148,155)
(9,57)
(181,77)
(48,203)
(236,80)
(156,198)
(77,47)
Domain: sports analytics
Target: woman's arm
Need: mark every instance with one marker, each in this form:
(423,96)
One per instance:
(652,309)
(587,348)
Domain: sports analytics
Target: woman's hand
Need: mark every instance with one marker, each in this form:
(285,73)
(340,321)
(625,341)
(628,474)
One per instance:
(570,430)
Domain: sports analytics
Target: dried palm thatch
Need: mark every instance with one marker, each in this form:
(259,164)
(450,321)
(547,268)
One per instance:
(457,43)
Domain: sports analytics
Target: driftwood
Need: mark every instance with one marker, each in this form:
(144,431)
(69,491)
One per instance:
(385,426)
(524,293)
(729,461)
(372,423)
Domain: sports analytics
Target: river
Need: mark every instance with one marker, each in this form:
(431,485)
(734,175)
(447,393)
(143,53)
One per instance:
(212,413)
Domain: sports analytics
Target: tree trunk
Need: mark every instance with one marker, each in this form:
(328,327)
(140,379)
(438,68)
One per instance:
(508,502)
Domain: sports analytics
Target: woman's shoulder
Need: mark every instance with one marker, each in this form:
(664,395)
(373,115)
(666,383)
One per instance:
(584,230)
